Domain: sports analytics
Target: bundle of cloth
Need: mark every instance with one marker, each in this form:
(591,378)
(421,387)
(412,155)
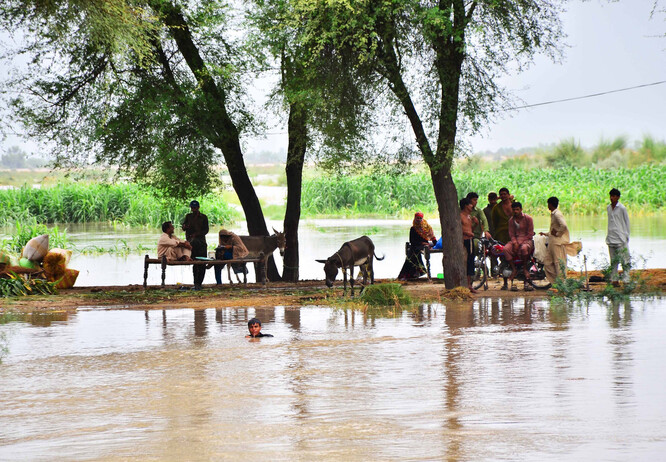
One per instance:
(36,257)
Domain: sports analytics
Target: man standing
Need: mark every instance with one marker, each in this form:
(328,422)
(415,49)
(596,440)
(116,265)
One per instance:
(617,237)
(558,243)
(500,216)
(196,228)
(479,220)
(492,202)
(521,243)
(468,236)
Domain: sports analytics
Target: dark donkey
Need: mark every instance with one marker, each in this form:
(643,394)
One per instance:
(266,244)
(359,252)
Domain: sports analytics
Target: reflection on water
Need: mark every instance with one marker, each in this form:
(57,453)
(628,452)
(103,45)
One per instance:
(321,238)
(513,379)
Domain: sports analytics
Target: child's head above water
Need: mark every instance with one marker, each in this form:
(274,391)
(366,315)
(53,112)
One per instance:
(254,326)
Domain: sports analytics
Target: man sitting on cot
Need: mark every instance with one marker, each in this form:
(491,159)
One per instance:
(171,246)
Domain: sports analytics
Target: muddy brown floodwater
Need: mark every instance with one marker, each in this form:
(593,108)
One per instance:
(488,379)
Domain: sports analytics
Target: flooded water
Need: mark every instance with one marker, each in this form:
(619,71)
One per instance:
(496,379)
(321,238)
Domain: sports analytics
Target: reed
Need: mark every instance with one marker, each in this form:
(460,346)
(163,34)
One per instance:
(100,202)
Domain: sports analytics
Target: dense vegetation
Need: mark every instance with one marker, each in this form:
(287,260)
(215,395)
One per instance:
(580,190)
(93,202)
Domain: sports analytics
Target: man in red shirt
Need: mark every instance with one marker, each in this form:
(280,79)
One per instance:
(521,242)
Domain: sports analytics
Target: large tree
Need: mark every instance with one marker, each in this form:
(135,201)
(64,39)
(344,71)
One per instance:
(441,61)
(151,86)
(321,106)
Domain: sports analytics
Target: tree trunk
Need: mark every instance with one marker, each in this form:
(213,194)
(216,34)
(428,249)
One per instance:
(454,256)
(297,130)
(217,125)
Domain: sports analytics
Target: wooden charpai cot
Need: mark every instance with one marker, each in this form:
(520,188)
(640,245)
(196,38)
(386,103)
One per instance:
(426,251)
(163,262)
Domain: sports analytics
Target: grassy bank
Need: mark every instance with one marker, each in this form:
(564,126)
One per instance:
(582,191)
(96,202)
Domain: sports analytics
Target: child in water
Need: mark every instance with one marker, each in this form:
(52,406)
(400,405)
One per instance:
(254,326)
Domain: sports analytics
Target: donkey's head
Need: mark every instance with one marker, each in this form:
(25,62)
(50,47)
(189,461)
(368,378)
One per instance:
(281,241)
(330,269)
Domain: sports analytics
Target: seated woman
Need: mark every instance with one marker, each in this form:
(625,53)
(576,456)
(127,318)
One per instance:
(171,246)
(230,247)
(421,236)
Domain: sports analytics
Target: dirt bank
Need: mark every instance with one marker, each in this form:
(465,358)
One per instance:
(277,293)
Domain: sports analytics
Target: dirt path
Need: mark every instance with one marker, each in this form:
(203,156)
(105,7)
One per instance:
(278,293)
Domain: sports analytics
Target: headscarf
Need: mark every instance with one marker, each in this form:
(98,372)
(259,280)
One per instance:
(422,228)
(229,238)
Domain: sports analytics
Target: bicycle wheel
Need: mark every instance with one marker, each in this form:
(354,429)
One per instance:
(480,273)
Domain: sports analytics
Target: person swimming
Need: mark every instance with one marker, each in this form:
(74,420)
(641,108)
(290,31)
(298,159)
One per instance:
(254,326)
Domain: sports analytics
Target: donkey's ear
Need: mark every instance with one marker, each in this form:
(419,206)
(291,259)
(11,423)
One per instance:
(275,231)
(321,261)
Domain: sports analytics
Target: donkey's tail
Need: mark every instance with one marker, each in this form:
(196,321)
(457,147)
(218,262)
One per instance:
(380,259)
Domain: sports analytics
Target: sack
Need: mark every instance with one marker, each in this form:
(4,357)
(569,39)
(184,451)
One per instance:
(25,263)
(55,264)
(36,248)
(66,253)
(68,279)
(540,251)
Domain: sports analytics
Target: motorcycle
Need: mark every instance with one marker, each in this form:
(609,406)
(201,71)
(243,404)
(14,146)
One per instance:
(487,247)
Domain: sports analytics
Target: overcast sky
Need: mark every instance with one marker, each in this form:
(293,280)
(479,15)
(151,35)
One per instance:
(613,45)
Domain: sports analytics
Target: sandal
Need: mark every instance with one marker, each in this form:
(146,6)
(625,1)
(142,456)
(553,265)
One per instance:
(528,287)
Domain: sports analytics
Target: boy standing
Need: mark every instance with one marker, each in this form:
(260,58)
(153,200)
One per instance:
(617,237)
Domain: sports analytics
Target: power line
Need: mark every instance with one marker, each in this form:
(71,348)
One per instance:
(585,96)
(564,100)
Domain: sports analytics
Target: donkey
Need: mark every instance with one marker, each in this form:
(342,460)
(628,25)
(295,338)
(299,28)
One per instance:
(266,244)
(359,252)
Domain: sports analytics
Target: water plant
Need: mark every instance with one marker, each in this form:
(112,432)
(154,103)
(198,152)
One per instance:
(387,294)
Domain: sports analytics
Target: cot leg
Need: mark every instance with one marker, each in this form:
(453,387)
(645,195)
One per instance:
(145,272)
(427,257)
(164,265)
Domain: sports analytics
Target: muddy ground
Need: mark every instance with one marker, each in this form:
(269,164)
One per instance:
(274,294)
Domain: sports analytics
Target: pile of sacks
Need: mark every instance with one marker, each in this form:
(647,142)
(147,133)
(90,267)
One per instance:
(37,255)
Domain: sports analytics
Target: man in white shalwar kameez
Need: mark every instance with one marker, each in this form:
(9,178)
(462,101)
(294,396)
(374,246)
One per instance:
(559,245)
(171,246)
(617,237)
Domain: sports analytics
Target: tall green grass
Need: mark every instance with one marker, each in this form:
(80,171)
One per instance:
(97,202)
(580,190)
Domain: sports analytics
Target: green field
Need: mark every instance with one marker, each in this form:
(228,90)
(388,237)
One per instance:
(582,191)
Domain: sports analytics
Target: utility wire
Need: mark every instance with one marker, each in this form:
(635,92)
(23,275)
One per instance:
(556,100)
(585,96)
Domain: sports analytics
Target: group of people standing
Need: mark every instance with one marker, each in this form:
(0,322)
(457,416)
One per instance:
(504,220)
